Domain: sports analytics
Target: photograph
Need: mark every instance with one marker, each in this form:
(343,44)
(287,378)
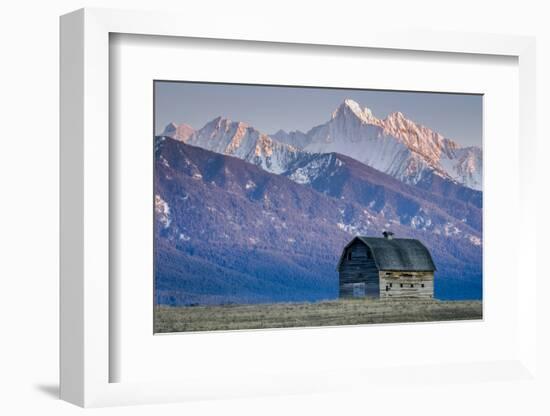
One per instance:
(282,206)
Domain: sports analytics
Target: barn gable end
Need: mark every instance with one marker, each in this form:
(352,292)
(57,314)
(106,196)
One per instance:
(358,272)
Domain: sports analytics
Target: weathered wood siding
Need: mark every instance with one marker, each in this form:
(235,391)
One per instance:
(359,276)
(406,284)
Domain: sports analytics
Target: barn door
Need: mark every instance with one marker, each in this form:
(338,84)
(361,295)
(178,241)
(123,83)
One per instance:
(359,290)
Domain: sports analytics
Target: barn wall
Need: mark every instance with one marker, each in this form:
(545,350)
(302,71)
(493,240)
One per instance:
(359,270)
(416,279)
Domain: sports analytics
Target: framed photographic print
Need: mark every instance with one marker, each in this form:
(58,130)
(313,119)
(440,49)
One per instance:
(338,220)
(241,213)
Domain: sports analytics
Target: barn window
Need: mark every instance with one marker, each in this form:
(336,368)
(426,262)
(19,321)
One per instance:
(387,288)
(391,284)
(412,285)
(401,285)
(422,285)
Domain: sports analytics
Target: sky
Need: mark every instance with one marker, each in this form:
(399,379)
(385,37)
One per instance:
(270,108)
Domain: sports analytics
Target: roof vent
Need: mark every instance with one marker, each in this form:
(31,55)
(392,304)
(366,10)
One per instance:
(388,235)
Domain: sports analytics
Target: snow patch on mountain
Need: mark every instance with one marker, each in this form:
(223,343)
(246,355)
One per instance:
(162,209)
(315,167)
(184,237)
(464,166)
(421,222)
(476,241)
(353,229)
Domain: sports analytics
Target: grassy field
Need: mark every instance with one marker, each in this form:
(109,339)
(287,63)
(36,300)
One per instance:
(338,312)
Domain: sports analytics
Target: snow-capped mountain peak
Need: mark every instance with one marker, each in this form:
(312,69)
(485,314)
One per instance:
(397,115)
(395,145)
(443,155)
(239,139)
(350,107)
(170,128)
(179,132)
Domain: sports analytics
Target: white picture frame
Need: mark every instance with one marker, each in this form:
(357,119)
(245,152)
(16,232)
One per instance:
(85,352)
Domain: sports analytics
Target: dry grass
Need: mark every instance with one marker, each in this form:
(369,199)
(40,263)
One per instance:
(339,312)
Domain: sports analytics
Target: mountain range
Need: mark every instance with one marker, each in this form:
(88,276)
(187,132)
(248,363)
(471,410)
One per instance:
(395,145)
(247,217)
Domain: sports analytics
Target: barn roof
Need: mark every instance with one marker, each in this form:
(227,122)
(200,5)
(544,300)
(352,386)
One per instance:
(399,254)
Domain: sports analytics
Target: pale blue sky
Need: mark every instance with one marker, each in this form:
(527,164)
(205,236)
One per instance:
(270,108)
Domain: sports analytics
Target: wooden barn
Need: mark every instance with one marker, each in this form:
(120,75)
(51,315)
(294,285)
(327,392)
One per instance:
(386,267)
